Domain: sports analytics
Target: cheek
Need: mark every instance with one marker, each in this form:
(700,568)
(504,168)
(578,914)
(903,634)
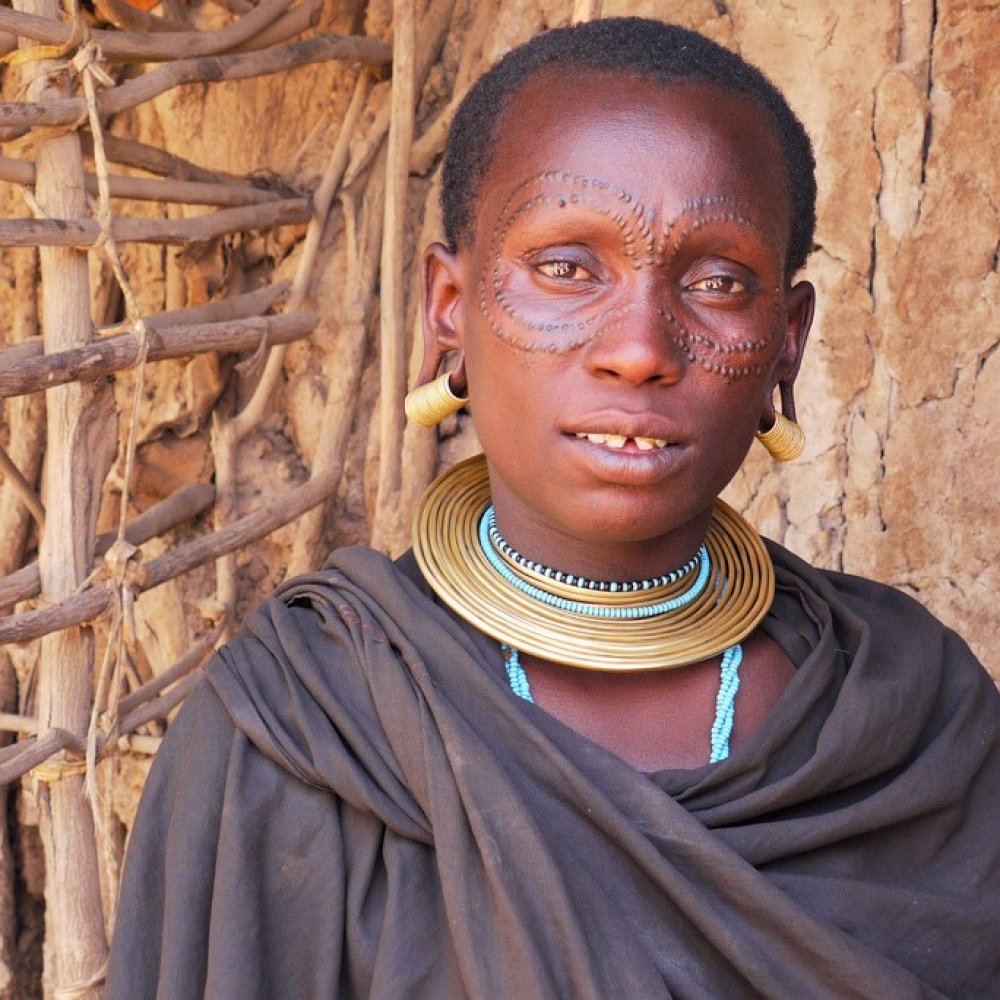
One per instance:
(527,321)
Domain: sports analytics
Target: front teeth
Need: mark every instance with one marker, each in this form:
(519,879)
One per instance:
(648,444)
(618,441)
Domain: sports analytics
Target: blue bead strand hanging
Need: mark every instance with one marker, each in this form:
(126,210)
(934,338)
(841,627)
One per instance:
(725,702)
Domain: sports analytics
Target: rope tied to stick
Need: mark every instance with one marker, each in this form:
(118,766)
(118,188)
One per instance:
(79,35)
(56,768)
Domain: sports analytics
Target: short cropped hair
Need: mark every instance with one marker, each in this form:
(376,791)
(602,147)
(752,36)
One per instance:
(664,53)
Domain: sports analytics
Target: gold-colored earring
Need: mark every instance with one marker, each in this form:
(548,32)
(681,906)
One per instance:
(429,404)
(785,440)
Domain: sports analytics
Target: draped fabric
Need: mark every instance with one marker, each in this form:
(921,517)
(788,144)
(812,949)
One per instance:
(356,805)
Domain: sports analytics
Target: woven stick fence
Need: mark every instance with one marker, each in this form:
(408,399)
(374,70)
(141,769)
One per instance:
(83,74)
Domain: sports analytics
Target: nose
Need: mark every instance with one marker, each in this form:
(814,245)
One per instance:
(639,341)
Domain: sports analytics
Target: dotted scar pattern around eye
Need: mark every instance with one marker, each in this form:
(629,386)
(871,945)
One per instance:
(512,322)
(729,359)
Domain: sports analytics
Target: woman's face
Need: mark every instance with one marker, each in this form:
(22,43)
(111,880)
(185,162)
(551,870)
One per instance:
(623,311)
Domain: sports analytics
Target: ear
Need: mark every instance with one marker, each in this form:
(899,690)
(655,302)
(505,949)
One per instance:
(800,306)
(441,287)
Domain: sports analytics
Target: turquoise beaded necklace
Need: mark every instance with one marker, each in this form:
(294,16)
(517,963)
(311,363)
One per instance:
(487,526)
(490,540)
(725,700)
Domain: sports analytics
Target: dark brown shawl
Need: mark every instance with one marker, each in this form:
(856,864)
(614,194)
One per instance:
(357,805)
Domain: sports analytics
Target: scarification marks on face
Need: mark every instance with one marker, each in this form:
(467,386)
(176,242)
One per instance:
(731,359)
(725,359)
(647,242)
(511,320)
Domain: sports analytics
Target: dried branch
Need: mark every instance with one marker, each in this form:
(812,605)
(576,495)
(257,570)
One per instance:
(181,506)
(277,511)
(292,23)
(343,387)
(193,658)
(19,758)
(392,333)
(10,723)
(84,232)
(130,153)
(137,46)
(586,10)
(255,408)
(428,146)
(149,745)
(433,31)
(233,307)
(27,495)
(145,189)
(16,118)
(75,610)
(160,707)
(102,357)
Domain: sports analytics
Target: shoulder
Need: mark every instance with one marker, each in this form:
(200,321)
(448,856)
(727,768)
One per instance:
(888,628)
(888,605)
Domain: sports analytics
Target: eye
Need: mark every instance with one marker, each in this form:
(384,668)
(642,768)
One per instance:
(564,270)
(721,284)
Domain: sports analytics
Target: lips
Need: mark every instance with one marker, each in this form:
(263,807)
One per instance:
(618,441)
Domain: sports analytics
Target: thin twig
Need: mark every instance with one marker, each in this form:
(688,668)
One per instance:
(20,486)
(251,414)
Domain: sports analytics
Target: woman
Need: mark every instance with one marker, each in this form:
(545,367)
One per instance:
(592,739)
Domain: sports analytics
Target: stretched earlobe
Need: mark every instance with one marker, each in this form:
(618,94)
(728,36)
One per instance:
(435,397)
(427,405)
(778,431)
(784,439)
(800,307)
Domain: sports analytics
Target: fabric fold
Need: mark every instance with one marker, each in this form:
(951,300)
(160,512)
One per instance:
(363,739)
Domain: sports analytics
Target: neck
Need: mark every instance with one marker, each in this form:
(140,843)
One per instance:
(603,556)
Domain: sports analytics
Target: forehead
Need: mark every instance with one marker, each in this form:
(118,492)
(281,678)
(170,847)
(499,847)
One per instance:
(668,145)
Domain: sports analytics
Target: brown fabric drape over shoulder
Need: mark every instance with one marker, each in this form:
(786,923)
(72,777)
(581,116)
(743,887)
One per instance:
(357,805)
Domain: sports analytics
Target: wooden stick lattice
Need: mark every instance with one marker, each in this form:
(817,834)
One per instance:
(89,711)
